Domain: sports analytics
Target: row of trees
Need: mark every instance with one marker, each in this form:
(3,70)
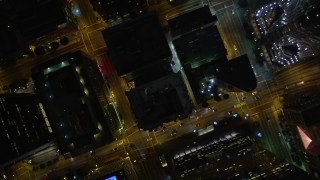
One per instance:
(42,49)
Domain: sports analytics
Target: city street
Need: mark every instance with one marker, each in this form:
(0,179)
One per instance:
(263,105)
(22,69)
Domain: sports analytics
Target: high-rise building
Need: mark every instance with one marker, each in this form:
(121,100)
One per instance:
(158,95)
(289,30)
(24,128)
(300,125)
(227,152)
(116,12)
(72,91)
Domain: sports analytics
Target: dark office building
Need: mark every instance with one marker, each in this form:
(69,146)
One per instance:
(69,87)
(28,20)
(31,18)
(136,44)
(24,128)
(160,101)
(196,38)
(10,43)
(200,46)
(190,21)
(116,11)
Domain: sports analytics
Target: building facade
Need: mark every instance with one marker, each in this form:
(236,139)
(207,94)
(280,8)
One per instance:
(24,127)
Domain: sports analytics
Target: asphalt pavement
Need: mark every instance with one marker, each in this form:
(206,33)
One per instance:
(264,109)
